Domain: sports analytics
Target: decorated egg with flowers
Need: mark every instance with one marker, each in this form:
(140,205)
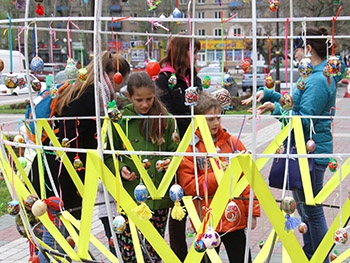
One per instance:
(13,207)
(333,65)
(333,164)
(37,64)
(82,73)
(191,96)
(177,13)
(223,96)
(199,246)
(11,81)
(305,67)
(246,66)
(228,79)
(288,205)
(269,83)
(30,200)
(302,228)
(341,236)
(71,70)
(36,85)
(287,102)
(232,212)
(119,224)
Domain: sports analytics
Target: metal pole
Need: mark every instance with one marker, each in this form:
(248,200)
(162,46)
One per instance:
(277,80)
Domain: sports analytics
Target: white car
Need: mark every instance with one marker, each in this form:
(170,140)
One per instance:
(21,87)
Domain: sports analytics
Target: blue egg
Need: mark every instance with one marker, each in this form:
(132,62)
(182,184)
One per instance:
(37,64)
(141,193)
(199,246)
(177,13)
(176,192)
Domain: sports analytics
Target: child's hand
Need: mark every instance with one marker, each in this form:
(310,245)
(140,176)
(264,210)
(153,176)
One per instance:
(166,164)
(259,96)
(127,174)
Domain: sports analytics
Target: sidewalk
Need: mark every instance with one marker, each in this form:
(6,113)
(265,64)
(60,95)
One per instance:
(14,248)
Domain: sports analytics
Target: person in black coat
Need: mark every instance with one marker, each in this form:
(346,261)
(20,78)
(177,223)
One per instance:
(176,65)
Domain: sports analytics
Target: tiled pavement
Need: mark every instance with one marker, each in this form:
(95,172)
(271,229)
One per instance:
(14,248)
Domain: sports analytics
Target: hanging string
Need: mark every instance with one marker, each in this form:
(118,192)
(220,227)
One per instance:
(303,36)
(286,53)
(68,36)
(159,132)
(149,39)
(171,50)
(117,49)
(269,48)
(333,27)
(20,31)
(10,42)
(239,134)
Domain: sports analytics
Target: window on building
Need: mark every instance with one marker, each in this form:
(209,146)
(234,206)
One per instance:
(200,15)
(201,32)
(183,2)
(237,31)
(217,14)
(217,32)
(201,1)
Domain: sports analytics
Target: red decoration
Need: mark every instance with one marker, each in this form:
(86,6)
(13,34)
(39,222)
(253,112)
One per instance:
(118,78)
(39,10)
(34,259)
(246,66)
(153,69)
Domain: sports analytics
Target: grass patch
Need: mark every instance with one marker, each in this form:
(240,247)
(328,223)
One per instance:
(17,108)
(5,197)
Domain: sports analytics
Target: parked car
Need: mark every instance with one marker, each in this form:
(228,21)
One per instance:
(210,69)
(247,79)
(49,69)
(22,84)
(282,77)
(217,81)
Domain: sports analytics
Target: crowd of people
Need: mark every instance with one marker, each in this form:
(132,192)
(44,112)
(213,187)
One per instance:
(165,97)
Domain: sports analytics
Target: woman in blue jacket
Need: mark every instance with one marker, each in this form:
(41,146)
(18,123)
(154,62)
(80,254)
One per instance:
(316,98)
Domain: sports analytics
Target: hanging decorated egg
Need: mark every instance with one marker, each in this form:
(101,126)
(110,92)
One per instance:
(34,259)
(70,241)
(211,238)
(13,207)
(232,212)
(334,255)
(333,65)
(30,200)
(177,13)
(54,203)
(302,228)
(11,81)
(119,224)
(175,137)
(2,65)
(199,246)
(118,78)
(176,192)
(113,112)
(53,92)
(301,84)
(310,146)
(65,143)
(287,102)
(21,82)
(39,8)
(172,81)
(18,138)
(23,162)
(246,66)
(269,83)
(71,70)
(341,236)
(78,164)
(305,67)
(332,164)
(347,75)
(146,163)
(37,64)
(153,69)
(288,205)
(228,79)
(274,4)
(151,4)
(206,82)
(82,73)
(191,96)
(160,165)
(141,193)
(223,96)
(36,85)
(261,244)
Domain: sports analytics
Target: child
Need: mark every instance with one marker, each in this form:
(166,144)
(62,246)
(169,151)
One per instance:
(145,134)
(232,233)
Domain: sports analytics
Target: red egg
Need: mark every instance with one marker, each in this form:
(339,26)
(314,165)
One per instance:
(34,259)
(118,78)
(153,68)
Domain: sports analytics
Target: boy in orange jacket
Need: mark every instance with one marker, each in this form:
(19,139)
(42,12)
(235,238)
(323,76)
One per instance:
(232,233)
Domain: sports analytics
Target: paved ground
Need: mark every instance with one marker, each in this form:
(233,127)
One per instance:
(14,248)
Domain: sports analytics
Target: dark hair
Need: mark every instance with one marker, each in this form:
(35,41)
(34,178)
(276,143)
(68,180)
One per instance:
(142,80)
(319,45)
(176,54)
(206,101)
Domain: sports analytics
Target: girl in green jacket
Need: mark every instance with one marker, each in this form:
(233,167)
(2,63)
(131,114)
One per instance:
(150,135)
